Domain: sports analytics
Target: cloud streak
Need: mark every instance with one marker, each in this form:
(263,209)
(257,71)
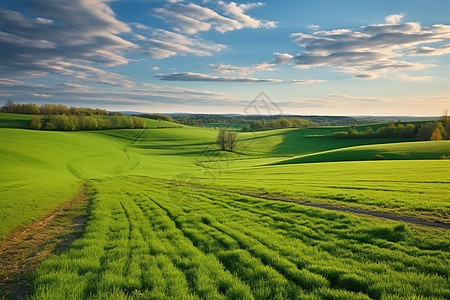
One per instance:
(192,18)
(306,81)
(160,43)
(208,78)
(72,40)
(280,59)
(371,50)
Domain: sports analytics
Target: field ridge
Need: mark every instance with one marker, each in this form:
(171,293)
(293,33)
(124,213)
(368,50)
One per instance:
(373,213)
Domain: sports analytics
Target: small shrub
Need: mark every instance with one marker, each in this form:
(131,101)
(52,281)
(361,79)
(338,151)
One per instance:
(378,157)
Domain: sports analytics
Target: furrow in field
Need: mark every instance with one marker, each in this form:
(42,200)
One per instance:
(266,270)
(205,275)
(372,245)
(330,226)
(372,213)
(141,243)
(257,252)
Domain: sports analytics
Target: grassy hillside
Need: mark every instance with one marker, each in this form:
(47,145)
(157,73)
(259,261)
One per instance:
(413,187)
(141,244)
(38,169)
(8,120)
(409,150)
(149,237)
(298,141)
(41,169)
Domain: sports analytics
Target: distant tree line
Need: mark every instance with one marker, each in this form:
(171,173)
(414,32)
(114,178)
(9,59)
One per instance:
(157,116)
(78,122)
(283,122)
(50,109)
(201,119)
(62,117)
(438,130)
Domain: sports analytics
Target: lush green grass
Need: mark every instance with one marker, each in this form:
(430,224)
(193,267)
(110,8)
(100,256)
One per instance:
(140,243)
(14,120)
(42,169)
(298,141)
(415,187)
(397,151)
(149,239)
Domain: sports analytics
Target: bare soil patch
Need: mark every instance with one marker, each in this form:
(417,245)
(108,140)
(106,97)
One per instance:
(25,249)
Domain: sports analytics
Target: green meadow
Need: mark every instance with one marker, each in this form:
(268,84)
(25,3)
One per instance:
(171,216)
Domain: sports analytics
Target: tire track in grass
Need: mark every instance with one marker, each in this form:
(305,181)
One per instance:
(192,283)
(236,259)
(161,263)
(224,283)
(295,278)
(356,211)
(153,214)
(407,260)
(140,272)
(25,250)
(125,150)
(310,278)
(267,255)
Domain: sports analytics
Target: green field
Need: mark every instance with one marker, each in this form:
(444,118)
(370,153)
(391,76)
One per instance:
(201,244)
(150,238)
(398,151)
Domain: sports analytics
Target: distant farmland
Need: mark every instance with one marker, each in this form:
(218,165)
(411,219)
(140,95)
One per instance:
(171,216)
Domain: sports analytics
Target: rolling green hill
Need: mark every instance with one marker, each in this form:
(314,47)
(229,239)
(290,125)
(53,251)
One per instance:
(41,168)
(299,141)
(397,151)
(172,215)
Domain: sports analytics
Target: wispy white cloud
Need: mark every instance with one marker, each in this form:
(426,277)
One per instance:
(237,12)
(159,43)
(140,93)
(371,50)
(208,78)
(394,19)
(192,18)
(406,77)
(429,51)
(73,40)
(280,59)
(313,27)
(40,95)
(6,81)
(306,81)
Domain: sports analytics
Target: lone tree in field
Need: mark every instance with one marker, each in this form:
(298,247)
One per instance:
(436,135)
(226,140)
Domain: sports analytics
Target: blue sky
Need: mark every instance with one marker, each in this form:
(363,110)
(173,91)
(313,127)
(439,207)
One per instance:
(309,57)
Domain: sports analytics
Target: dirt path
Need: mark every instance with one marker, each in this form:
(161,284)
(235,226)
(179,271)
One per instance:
(377,214)
(372,213)
(25,249)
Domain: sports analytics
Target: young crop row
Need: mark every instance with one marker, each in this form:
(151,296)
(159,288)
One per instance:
(414,188)
(203,244)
